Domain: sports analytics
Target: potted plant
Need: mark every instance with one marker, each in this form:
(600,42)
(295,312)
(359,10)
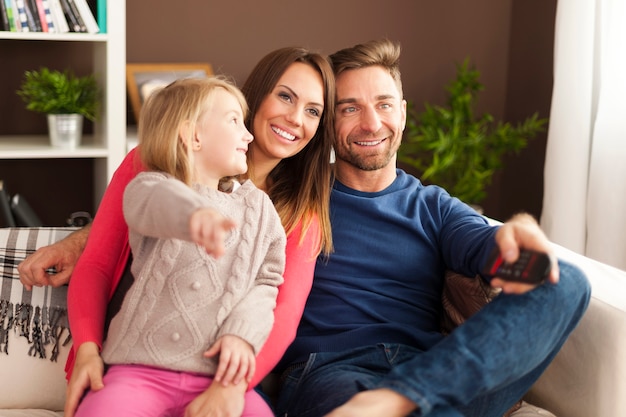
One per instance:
(65,98)
(451,147)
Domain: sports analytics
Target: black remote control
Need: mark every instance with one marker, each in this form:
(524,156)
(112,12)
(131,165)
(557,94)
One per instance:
(531,267)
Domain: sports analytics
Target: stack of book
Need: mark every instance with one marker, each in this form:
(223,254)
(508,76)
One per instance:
(15,211)
(54,16)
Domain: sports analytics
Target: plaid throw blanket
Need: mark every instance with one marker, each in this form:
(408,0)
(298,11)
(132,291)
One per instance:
(39,315)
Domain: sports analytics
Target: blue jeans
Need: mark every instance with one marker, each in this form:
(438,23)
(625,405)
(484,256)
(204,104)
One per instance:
(481,369)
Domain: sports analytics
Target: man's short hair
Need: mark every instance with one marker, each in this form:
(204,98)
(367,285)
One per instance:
(383,53)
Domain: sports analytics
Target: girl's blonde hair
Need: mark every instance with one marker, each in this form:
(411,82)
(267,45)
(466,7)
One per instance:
(168,122)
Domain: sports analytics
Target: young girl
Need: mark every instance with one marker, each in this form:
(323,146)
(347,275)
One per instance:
(207,263)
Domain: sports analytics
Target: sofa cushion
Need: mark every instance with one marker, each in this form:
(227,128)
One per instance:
(30,413)
(34,334)
(462,297)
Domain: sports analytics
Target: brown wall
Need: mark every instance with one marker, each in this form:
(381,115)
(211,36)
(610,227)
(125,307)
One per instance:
(233,37)
(510,42)
(519,187)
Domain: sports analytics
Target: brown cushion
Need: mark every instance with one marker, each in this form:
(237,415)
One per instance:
(462,297)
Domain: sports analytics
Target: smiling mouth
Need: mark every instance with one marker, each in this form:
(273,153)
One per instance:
(283,134)
(370,142)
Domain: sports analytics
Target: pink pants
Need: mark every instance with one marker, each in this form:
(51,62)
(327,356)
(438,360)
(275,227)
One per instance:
(141,391)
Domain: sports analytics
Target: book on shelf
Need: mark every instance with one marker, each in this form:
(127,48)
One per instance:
(4,17)
(77,15)
(12,15)
(48,17)
(70,17)
(6,216)
(101,14)
(58,17)
(41,13)
(22,19)
(87,16)
(34,24)
(23,213)
(12,10)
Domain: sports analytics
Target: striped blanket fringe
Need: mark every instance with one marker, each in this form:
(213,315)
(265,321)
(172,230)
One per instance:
(45,328)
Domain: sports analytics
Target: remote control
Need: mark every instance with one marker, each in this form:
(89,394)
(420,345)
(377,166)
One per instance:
(531,267)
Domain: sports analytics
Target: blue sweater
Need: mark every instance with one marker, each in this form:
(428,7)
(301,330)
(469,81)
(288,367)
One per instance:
(383,282)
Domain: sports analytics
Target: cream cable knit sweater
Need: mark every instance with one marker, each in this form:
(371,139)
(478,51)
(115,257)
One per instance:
(183,300)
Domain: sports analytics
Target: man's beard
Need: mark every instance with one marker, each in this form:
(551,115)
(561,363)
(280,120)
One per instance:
(367,162)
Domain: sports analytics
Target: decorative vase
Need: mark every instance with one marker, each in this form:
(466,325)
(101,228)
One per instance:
(65,130)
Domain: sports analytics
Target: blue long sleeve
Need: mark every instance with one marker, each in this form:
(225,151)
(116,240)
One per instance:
(383,282)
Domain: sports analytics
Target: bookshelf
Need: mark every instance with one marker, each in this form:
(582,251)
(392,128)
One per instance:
(107,145)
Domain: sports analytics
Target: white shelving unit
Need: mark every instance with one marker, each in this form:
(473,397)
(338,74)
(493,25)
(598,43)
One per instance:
(107,146)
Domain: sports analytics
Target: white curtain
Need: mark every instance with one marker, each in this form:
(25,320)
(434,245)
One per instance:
(584,205)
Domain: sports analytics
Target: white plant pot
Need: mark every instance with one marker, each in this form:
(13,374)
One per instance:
(65,130)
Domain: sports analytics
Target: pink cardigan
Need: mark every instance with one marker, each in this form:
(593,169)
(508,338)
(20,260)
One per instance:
(101,265)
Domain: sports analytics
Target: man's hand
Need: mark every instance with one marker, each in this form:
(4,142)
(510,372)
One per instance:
(209,229)
(61,255)
(375,403)
(237,361)
(87,373)
(218,401)
(523,231)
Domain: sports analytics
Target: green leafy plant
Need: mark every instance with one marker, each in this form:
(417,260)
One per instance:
(453,148)
(55,92)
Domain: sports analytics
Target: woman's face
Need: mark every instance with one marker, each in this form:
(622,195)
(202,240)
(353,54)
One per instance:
(289,115)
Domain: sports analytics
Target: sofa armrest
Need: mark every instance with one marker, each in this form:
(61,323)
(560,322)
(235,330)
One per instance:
(34,334)
(588,376)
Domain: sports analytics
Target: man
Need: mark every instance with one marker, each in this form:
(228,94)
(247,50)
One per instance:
(369,338)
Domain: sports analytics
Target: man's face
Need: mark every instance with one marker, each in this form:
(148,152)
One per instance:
(370,118)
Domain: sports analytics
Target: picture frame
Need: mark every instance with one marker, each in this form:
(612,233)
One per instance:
(144,78)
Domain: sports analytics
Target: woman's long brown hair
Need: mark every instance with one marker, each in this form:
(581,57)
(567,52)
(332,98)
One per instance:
(299,186)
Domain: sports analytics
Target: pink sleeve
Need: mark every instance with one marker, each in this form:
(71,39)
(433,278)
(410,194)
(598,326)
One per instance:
(292,295)
(102,263)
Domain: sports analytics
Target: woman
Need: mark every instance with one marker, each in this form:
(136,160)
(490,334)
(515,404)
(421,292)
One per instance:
(291,98)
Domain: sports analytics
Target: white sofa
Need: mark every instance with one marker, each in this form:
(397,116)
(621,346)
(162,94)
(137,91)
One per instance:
(587,379)
(29,385)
